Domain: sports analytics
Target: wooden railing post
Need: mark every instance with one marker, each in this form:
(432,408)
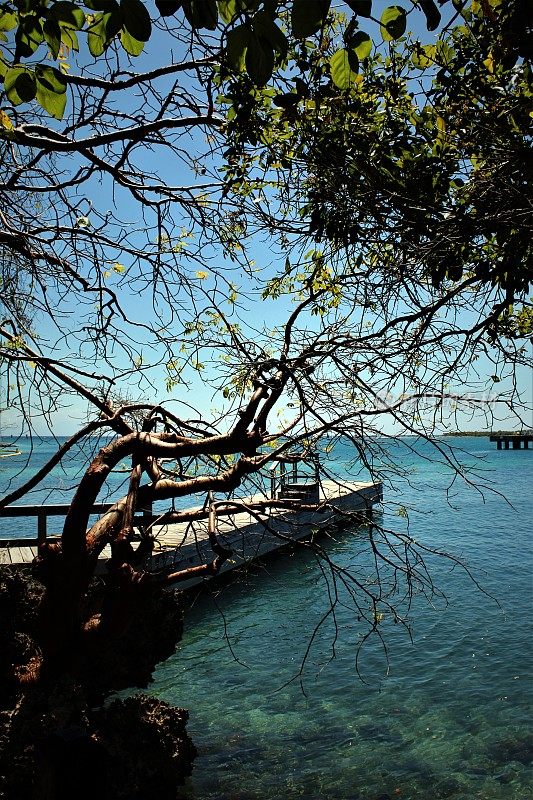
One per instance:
(41,527)
(147,514)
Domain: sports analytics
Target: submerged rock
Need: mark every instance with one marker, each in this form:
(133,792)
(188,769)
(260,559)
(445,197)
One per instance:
(518,747)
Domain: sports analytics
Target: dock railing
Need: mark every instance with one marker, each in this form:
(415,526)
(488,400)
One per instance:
(42,512)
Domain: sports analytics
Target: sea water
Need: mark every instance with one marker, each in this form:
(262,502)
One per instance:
(445,713)
(447,716)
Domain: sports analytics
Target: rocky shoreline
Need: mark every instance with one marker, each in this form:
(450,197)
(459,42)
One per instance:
(59,738)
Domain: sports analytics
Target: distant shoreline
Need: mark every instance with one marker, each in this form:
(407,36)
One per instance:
(482,433)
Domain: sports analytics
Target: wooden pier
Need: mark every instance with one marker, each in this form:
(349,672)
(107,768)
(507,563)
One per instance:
(515,440)
(249,536)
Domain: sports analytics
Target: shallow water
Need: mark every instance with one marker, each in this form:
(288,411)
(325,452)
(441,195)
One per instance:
(449,720)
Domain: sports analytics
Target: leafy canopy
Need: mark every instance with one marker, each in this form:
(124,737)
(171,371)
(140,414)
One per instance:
(260,37)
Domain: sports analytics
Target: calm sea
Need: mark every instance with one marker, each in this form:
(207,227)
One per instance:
(447,716)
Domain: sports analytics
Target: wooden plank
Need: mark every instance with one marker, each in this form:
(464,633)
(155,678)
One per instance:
(26,555)
(15,555)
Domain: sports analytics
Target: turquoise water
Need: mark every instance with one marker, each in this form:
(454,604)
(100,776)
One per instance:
(446,717)
(451,717)
(60,484)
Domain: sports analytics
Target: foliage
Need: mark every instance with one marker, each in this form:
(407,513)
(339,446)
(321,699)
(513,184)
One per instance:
(258,35)
(413,154)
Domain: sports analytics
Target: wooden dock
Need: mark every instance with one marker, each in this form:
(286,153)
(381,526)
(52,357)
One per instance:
(248,536)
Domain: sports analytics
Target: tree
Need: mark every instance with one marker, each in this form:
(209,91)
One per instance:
(391,276)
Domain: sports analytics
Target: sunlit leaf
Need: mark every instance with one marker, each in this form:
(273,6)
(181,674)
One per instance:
(228,10)
(342,74)
(5,121)
(68,15)
(132,46)
(362,44)
(19,85)
(52,36)
(51,79)
(70,39)
(29,35)
(393,22)
(423,56)
(8,20)
(53,103)
(96,36)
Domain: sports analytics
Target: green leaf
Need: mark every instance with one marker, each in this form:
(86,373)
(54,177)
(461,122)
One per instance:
(431,12)
(19,85)
(96,36)
(228,10)
(308,16)
(101,5)
(236,45)
(8,21)
(393,22)
(70,39)
(51,91)
(29,35)
(51,78)
(259,61)
(68,15)
(362,44)
(136,19)
(444,53)
(342,74)
(132,46)
(201,13)
(5,121)
(362,8)
(423,55)
(265,28)
(103,29)
(52,36)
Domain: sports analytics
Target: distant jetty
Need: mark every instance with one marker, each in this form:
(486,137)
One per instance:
(516,439)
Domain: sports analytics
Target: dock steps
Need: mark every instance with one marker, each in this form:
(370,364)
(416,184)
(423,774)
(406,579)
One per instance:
(300,491)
